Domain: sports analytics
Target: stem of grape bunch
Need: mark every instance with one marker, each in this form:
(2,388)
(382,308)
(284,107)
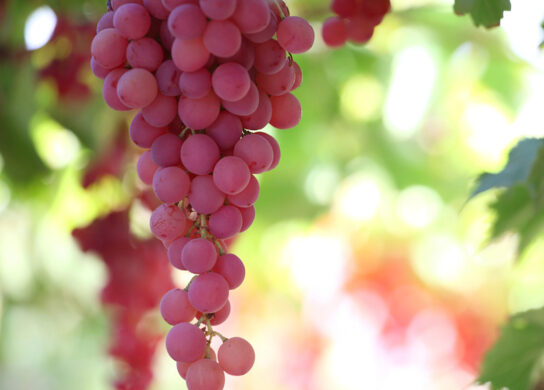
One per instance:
(206,77)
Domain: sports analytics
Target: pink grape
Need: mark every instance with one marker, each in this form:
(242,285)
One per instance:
(275,149)
(106,21)
(236,356)
(231,268)
(226,130)
(208,292)
(262,115)
(267,33)
(295,34)
(278,83)
(109,89)
(248,216)
(218,9)
(225,222)
(248,196)
(246,105)
(359,29)
(205,374)
(175,307)
(199,255)
(187,22)
(199,154)
(251,16)
(255,151)
(109,48)
(161,111)
(205,197)
(142,133)
(199,113)
(167,39)
(174,251)
(132,20)
(334,31)
(298,76)
(189,55)
(195,85)
(185,342)
(156,9)
(165,150)
(245,56)
(145,53)
(222,38)
(167,222)
(230,81)
(171,184)
(146,167)
(168,78)
(137,88)
(231,175)
(98,70)
(286,111)
(270,57)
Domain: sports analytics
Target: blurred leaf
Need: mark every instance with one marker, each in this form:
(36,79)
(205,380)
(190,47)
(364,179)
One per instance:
(483,12)
(512,361)
(536,178)
(513,208)
(520,162)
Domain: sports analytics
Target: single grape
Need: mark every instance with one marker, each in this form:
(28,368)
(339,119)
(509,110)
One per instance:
(109,48)
(218,9)
(295,34)
(199,154)
(185,343)
(175,307)
(275,149)
(106,21)
(222,38)
(270,57)
(236,356)
(251,16)
(359,29)
(109,89)
(218,317)
(286,111)
(98,70)
(298,76)
(137,88)
(231,268)
(145,53)
(199,255)
(132,20)
(162,111)
(267,33)
(225,222)
(278,83)
(344,8)
(226,130)
(205,197)
(187,22)
(230,81)
(248,216)
(245,56)
(165,150)
(246,105)
(189,55)
(171,184)
(248,196)
(255,151)
(208,292)
(156,9)
(261,116)
(167,222)
(231,175)
(205,374)
(199,113)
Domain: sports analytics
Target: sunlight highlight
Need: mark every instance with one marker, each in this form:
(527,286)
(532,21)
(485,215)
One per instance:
(39,27)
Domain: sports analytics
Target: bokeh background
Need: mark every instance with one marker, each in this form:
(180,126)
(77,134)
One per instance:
(366,266)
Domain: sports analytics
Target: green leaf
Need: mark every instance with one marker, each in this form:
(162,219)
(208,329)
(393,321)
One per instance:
(513,360)
(483,12)
(536,178)
(513,208)
(520,162)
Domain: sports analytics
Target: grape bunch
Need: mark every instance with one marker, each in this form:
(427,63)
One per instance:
(205,74)
(355,21)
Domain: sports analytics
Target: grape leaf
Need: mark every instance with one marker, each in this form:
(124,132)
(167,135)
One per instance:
(520,161)
(483,12)
(513,361)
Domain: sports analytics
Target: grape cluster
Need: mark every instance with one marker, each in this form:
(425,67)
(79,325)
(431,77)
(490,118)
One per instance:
(355,21)
(206,74)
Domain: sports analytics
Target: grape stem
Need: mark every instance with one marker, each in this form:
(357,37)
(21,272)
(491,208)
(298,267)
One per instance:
(219,246)
(281,11)
(203,227)
(188,284)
